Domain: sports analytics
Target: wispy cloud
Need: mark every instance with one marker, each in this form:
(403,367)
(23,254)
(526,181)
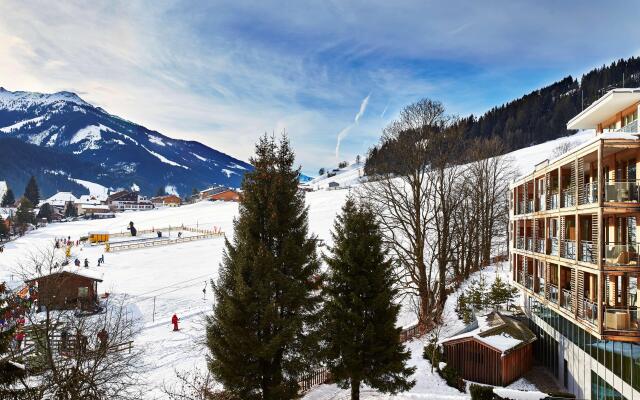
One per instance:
(345,131)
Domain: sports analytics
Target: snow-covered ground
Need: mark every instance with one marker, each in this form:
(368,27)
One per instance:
(157,282)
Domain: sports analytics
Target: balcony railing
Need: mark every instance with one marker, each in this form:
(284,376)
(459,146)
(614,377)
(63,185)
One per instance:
(540,204)
(631,127)
(568,197)
(589,311)
(521,207)
(589,193)
(625,254)
(621,319)
(539,246)
(553,293)
(554,201)
(529,244)
(566,299)
(587,251)
(555,246)
(621,191)
(540,287)
(529,208)
(528,281)
(520,243)
(569,249)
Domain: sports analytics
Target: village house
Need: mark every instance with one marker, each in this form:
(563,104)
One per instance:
(68,288)
(59,200)
(170,200)
(126,200)
(220,193)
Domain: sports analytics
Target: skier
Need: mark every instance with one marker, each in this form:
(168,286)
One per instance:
(77,262)
(174,321)
(19,339)
(102,259)
(86,263)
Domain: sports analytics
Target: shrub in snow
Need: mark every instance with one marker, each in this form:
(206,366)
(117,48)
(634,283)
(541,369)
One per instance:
(452,377)
(481,392)
(433,354)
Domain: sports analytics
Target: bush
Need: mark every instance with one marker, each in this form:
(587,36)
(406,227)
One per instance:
(481,392)
(452,377)
(432,354)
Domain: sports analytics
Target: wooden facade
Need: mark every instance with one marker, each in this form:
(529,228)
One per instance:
(478,362)
(66,290)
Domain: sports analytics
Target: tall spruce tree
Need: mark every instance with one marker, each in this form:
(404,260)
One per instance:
(8,199)
(263,332)
(363,342)
(4,231)
(9,372)
(32,192)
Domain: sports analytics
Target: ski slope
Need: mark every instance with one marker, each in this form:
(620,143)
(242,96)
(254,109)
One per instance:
(157,282)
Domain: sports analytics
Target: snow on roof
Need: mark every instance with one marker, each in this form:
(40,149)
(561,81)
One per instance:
(61,199)
(88,199)
(71,269)
(496,331)
(605,107)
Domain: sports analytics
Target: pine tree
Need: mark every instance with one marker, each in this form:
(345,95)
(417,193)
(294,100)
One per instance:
(70,210)
(262,335)
(46,211)
(363,341)
(32,192)
(8,199)
(9,373)
(4,231)
(24,215)
(501,293)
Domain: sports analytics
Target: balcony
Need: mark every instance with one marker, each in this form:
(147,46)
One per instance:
(529,205)
(569,249)
(529,244)
(553,293)
(589,193)
(621,319)
(566,299)
(540,286)
(520,242)
(539,246)
(554,201)
(589,311)
(555,245)
(540,203)
(568,197)
(528,281)
(521,207)
(631,127)
(587,251)
(621,192)
(621,254)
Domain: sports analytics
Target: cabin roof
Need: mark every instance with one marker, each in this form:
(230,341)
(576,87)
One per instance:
(71,270)
(605,107)
(495,330)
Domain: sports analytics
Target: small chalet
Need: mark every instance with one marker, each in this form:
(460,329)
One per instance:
(68,288)
(60,200)
(126,200)
(333,185)
(170,200)
(494,349)
(220,193)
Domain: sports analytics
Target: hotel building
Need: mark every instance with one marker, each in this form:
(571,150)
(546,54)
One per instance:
(573,234)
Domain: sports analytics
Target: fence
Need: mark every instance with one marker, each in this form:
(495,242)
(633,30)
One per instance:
(170,228)
(153,242)
(322,375)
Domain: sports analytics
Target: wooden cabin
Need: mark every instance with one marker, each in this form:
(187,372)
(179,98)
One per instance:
(494,349)
(66,289)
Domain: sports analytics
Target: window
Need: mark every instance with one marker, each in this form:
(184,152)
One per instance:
(83,292)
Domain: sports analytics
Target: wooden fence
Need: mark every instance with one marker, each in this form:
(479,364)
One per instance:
(322,375)
(178,228)
(153,242)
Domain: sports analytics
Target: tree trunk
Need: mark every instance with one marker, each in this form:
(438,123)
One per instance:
(355,389)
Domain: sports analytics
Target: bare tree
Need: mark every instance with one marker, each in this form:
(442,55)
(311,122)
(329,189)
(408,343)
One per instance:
(73,355)
(195,385)
(402,193)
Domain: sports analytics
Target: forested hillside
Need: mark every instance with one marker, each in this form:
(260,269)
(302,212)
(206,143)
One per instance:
(541,115)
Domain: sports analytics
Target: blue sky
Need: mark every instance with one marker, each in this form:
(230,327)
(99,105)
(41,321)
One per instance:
(226,72)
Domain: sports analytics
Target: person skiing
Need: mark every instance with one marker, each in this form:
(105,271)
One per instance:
(19,339)
(174,321)
(86,263)
(76,262)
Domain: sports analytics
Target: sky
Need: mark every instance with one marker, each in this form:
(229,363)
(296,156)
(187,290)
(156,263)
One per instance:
(331,74)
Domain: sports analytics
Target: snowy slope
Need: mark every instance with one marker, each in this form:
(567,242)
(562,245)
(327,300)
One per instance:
(171,279)
(345,177)
(129,152)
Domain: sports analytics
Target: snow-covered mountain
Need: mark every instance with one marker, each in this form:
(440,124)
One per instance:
(126,152)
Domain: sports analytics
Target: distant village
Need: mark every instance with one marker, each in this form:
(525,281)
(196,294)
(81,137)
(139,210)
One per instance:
(20,214)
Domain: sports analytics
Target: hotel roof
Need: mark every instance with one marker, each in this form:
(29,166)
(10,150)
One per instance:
(614,101)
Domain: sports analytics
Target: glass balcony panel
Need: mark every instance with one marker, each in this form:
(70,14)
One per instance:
(589,311)
(528,281)
(566,299)
(621,254)
(529,206)
(569,249)
(589,193)
(621,192)
(621,319)
(587,251)
(520,242)
(554,201)
(553,293)
(529,244)
(568,197)
(555,245)
(631,127)
(540,287)
(539,246)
